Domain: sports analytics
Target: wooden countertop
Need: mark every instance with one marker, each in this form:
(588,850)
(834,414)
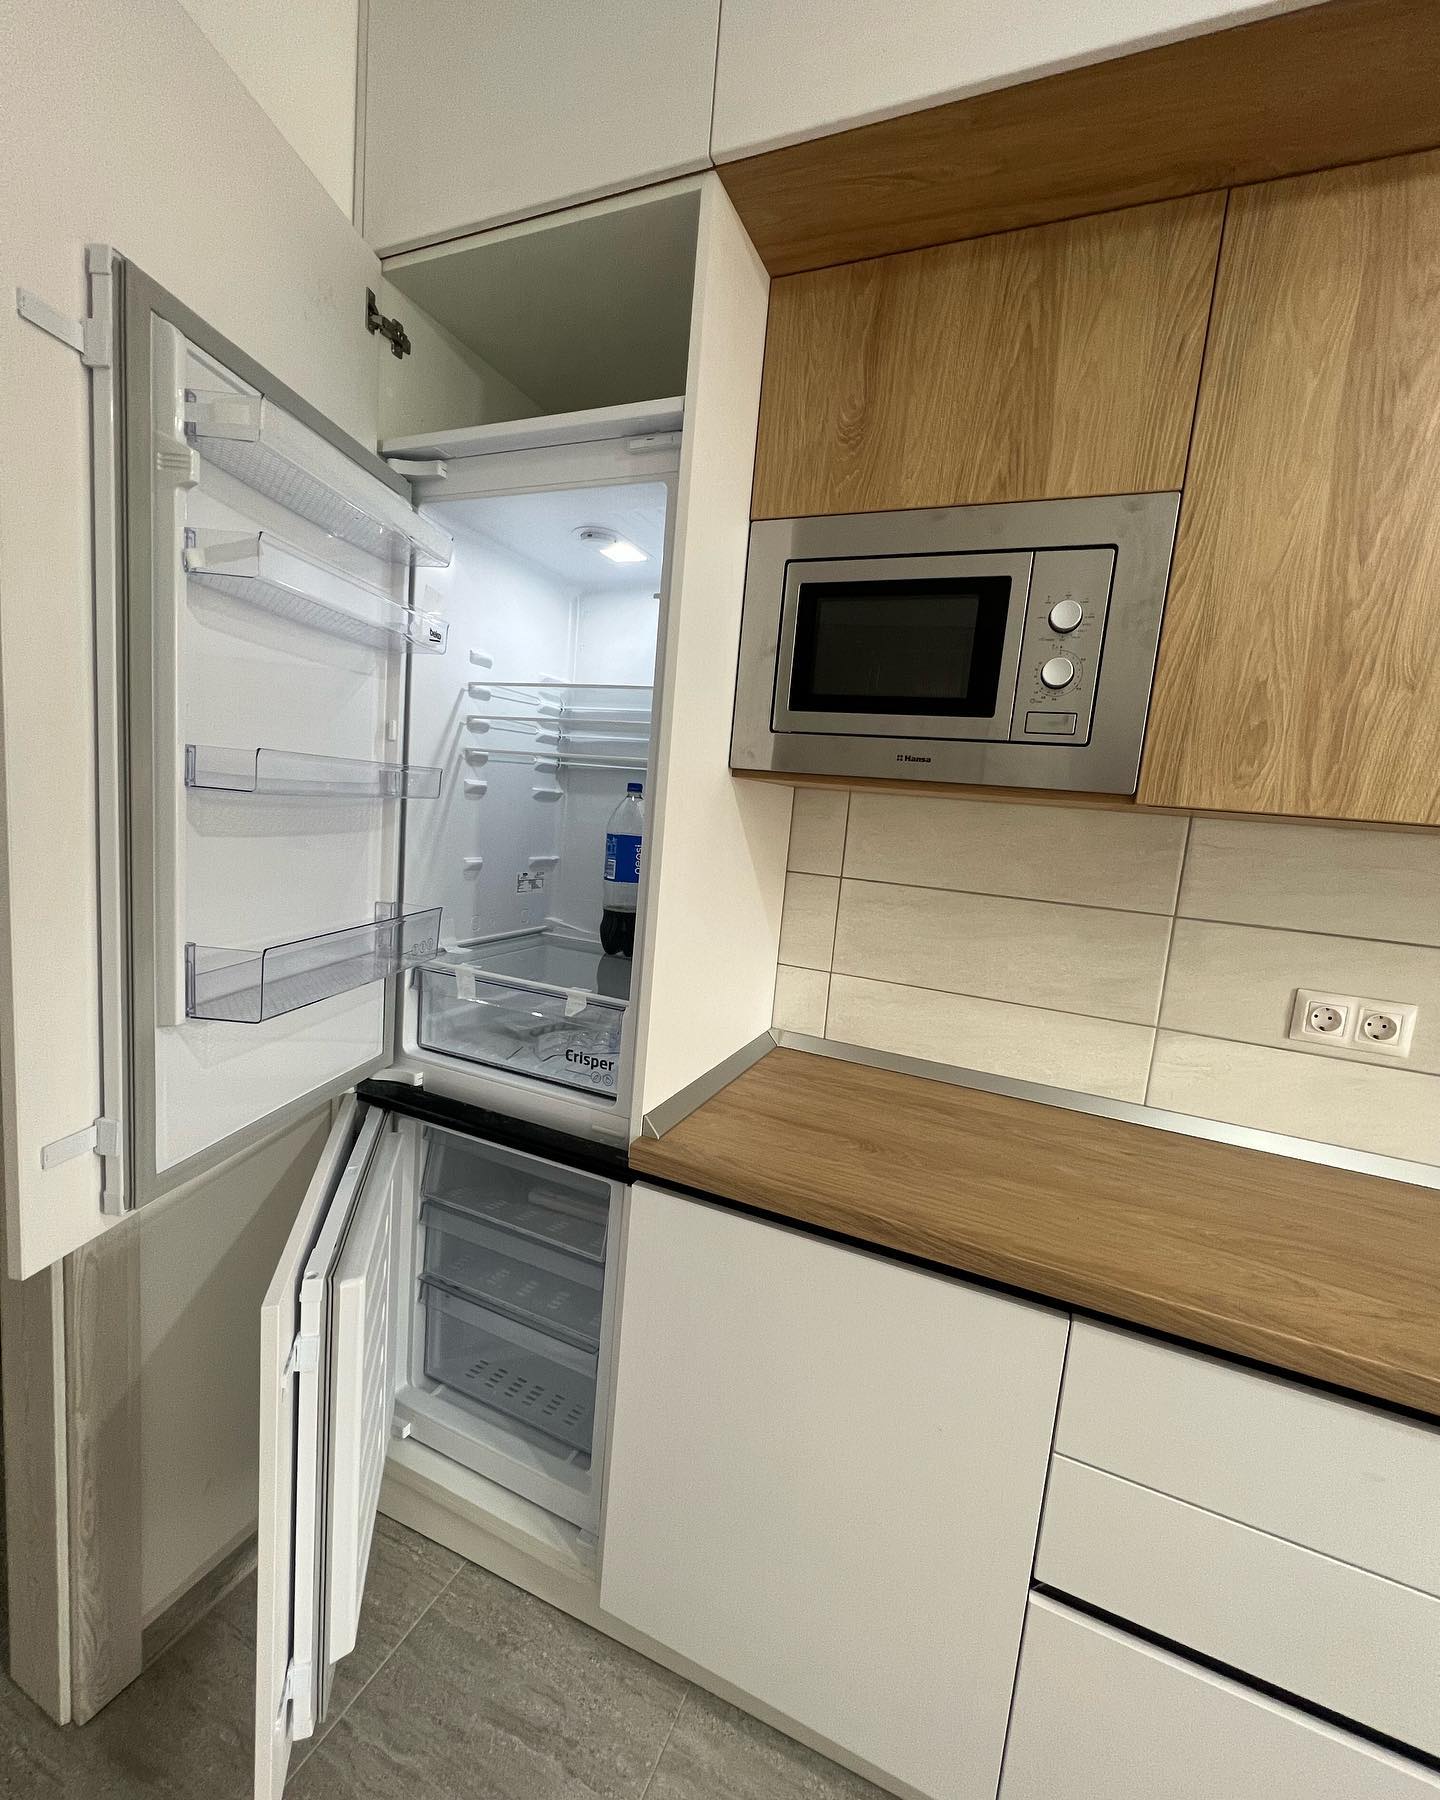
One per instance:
(1316,1271)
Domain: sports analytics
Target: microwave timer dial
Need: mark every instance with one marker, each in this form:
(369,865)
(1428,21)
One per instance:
(1065,615)
(1058,672)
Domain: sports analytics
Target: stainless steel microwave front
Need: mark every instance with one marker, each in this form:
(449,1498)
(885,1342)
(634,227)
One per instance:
(1071,656)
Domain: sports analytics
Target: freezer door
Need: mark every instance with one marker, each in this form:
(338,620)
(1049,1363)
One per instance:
(326,1408)
(268,618)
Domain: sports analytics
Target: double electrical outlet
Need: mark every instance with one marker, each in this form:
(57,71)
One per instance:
(1345,1021)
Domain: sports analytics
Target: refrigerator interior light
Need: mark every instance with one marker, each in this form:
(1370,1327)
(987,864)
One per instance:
(610,544)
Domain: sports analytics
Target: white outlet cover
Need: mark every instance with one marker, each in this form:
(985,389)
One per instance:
(1403,1015)
(1306,999)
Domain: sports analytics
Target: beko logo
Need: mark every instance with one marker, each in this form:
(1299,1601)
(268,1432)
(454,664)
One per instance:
(905,756)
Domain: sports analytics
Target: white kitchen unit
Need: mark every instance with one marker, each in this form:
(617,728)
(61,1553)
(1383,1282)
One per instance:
(863,61)
(547,105)
(1284,1534)
(825,1482)
(362,727)
(1099,1713)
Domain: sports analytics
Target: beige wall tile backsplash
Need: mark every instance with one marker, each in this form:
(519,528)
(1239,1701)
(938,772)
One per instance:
(1049,943)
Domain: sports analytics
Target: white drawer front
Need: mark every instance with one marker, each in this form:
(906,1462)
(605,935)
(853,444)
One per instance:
(1101,1716)
(1336,1635)
(1348,1480)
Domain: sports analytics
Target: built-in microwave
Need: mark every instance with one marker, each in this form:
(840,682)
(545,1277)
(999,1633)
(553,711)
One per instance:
(1011,645)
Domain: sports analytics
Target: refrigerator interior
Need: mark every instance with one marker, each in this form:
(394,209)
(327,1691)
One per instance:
(539,713)
(503,1316)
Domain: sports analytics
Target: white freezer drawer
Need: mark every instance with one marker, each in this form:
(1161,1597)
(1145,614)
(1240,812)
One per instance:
(1345,1479)
(1344,1639)
(1100,1715)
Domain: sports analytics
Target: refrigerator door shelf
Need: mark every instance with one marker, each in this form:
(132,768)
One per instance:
(264,447)
(216,768)
(260,570)
(245,987)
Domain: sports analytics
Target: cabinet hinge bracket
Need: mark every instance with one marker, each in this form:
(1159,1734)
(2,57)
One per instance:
(304,1357)
(102,1137)
(393,332)
(90,337)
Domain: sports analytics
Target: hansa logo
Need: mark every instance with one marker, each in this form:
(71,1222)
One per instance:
(905,756)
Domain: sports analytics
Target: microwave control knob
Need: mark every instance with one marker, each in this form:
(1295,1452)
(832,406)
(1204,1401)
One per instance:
(1065,615)
(1059,672)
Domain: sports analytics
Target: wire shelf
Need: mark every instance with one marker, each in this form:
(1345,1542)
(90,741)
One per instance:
(246,987)
(255,441)
(260,570)
(218,769)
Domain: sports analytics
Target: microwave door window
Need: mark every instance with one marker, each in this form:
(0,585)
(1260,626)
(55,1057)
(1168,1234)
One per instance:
(923,648)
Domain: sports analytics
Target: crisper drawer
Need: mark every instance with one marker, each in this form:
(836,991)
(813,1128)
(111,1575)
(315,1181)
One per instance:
(1335,1476)
(560,1037)
(556,1293)
(1344,1639)
(526,1376)
(1101,1716)
(531,1200)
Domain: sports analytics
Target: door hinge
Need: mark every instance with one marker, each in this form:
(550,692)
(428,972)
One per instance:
(102,1137)
(304,1357)
(92,336)
(393,332)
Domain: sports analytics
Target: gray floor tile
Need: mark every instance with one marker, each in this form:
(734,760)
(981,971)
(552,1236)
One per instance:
(407,1572)
(184,1729)
(496,1696)
(717,1752)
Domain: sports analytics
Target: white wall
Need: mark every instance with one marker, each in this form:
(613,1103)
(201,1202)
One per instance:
(299,62)
(814,66)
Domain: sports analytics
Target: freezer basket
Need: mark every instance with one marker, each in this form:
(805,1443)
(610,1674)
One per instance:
(529,1200)
(557,1294)
(508,1369)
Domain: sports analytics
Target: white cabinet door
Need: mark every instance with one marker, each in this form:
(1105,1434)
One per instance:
(825,1481)
(476,115)
(326,1405)
(1100,1714)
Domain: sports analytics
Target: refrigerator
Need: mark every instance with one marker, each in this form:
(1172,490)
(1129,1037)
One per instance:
(367,721)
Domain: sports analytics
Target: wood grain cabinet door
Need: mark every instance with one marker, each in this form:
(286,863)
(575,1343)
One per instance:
(1033,365)
(1300,662)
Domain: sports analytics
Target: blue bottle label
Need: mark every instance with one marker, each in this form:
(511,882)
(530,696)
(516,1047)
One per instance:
(622,857)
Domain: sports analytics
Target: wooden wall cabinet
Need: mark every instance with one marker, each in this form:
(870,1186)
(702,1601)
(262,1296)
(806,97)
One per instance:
(1039,364)
(1300,662)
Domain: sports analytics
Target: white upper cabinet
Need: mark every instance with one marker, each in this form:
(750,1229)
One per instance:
(477,115)
(815,66)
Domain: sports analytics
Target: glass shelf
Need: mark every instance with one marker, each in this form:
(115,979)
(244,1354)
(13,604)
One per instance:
(565,759)
(261,570)
(255,441)
(216,768)
(244,987)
